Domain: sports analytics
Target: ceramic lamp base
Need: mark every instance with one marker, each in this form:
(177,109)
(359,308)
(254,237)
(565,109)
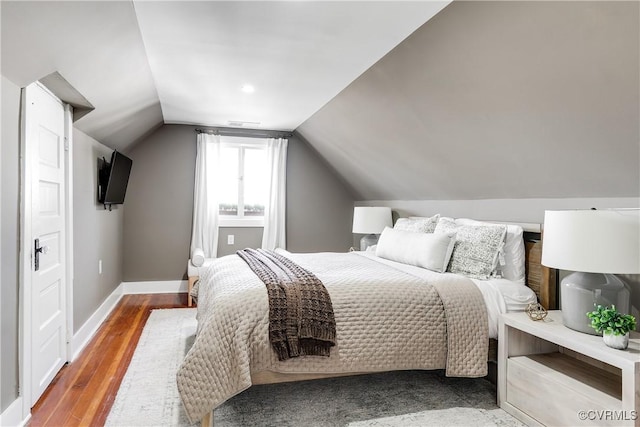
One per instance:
(580,293)
(368,240)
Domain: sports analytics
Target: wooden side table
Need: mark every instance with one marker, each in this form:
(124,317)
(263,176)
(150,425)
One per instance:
(549,374)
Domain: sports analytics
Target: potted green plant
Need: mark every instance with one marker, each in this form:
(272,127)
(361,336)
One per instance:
(614,326)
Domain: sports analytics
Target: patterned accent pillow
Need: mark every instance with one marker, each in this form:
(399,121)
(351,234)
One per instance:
(417,224)
(475,253)
(512,259)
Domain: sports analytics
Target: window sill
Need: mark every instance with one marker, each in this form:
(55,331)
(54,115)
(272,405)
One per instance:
(240,222)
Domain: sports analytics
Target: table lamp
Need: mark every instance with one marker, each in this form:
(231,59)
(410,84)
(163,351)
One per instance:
(370,221)
(594,245)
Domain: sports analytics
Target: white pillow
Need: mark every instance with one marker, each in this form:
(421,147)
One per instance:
(440,217)
(426,250)
(513,267)
(197,257)
(417,224)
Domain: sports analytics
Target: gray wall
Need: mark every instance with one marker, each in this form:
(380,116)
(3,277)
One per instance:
(244,237)
(495,100)
(634,282)
(513,210)
(9,235)
(159,206)
(97,233)
(319,203)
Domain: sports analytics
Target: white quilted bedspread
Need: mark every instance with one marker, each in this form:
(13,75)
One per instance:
(385,320)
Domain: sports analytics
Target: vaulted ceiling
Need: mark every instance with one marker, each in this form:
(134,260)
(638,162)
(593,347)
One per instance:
(145,63)
(293,57)
(97,48)
(405,100)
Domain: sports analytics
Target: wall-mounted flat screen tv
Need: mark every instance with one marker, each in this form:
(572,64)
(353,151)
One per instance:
(113,178)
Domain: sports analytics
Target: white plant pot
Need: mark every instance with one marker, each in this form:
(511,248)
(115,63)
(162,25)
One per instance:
(619,342)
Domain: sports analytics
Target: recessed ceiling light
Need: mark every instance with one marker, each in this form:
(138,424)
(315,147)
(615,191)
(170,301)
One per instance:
(248,88)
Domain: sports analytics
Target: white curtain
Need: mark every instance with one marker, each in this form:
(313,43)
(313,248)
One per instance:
(205,197)
(274,235)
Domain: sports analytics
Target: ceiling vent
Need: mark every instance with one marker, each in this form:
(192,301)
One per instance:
(238,123)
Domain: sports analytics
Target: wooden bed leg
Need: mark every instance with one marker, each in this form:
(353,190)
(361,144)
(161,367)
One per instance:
(191,282)
(207,420)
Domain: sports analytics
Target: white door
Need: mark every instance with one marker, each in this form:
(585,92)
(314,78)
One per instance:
(45,145)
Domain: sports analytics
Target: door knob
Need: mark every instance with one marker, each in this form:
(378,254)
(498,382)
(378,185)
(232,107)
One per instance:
(37,250)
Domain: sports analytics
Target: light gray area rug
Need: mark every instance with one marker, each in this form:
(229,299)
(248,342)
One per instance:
(149,396)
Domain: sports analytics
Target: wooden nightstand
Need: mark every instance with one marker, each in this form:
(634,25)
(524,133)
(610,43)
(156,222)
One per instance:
(549,374)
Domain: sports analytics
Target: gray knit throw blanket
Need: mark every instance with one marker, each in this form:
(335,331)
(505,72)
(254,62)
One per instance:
(301,320)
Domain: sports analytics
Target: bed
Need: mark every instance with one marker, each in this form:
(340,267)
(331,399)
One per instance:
(389,315)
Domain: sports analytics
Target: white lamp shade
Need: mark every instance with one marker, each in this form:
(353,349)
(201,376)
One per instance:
(592,241)
(371,220)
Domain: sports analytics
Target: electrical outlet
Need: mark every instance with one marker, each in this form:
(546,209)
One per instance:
(99,266)
(230,239)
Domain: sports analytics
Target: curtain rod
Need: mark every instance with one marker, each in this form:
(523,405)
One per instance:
(249,133)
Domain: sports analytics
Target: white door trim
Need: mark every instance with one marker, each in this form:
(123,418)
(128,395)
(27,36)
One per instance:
(68,159)
(25,260)
(1,277)
(25,350)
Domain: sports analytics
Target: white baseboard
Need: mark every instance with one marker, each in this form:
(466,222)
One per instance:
(155,287)
(87,331)
(12,416)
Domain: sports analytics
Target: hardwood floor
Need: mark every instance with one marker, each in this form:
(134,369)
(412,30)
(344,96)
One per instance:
(83,392)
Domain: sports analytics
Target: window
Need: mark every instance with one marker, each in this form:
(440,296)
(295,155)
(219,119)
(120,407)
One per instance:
(245,176)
